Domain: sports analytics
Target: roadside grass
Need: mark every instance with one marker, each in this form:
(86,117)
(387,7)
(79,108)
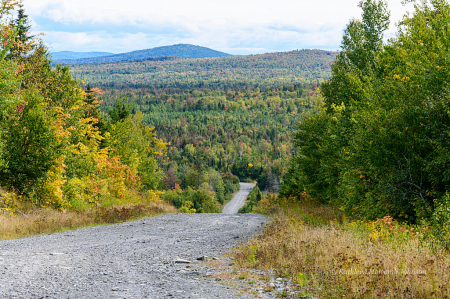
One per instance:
(329,256)
(46,221)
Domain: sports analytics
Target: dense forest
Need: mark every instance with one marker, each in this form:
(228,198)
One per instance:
(249,132)
(231,117)
(231,125)
(236,72)
(228,114)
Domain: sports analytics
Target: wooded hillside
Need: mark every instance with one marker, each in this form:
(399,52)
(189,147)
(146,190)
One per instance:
(251,71)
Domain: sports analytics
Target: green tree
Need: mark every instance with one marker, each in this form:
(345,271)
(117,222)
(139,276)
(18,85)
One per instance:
(138,147)
(10,99)
(120,111)
(379,143)
(31,145)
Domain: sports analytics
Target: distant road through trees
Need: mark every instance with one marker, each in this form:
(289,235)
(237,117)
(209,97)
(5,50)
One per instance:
(238,200)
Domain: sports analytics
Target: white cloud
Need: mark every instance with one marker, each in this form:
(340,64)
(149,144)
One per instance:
(95,41)
(231,25)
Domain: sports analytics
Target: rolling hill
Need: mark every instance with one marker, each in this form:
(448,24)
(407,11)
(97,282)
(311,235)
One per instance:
(180,50)
(273,69)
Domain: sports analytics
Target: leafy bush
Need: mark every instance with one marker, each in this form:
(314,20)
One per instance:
(202,200)
(441,222)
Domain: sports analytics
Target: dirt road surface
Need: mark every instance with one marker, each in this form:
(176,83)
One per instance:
(238,200)
(130,260)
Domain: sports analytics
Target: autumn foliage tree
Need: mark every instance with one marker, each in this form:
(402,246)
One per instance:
(378,143)
(53,134)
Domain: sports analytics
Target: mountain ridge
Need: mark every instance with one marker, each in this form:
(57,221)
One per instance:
(178,50)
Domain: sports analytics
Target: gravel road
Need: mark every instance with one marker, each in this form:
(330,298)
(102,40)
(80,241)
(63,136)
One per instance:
(128,260)
(238,200)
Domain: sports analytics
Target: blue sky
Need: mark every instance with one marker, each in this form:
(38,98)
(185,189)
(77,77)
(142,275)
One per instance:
(232,26)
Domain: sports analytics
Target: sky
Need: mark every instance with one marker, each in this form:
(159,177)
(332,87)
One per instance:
(238,27)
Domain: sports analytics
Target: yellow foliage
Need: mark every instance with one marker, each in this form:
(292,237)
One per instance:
(386,230)
(98,172)
(153,196)
(8,202)
(8,5)
(188,208)
(76,190)
(50,192)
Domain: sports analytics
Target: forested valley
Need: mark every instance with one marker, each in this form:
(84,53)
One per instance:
(229,117)
(349,150)
(184,130)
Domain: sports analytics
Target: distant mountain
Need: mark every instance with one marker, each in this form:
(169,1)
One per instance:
(77,55)
(180,50)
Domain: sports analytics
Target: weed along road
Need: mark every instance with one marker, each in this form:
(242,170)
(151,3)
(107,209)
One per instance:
(238,200)
(149,258)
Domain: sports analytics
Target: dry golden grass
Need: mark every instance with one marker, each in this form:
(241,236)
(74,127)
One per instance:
(46,221)
(335,260)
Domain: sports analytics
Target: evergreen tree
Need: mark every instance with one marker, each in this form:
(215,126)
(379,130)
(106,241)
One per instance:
(24,41)
(120,111)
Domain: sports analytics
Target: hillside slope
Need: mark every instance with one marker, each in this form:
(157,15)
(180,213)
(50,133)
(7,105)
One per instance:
(180,50)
